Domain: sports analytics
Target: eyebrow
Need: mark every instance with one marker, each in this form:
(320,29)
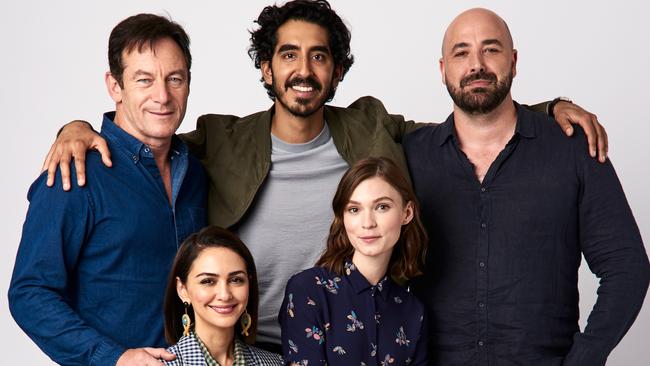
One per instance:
(492,41)
(293,47)
(208,274)
(484,43)
(141,72)
(384,198)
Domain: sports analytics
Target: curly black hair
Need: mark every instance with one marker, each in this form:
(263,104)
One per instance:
(272,17)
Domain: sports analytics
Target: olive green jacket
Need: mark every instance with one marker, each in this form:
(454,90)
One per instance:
(236,151)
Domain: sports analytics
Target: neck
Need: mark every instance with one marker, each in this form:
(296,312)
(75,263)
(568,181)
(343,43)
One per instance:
(495,128)
(372,268)
(296,129)
(219,341)
(159,148)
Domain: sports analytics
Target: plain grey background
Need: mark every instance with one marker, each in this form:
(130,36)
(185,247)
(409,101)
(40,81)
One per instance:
(54,58)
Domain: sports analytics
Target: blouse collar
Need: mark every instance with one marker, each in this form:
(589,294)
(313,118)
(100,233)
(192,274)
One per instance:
(360,283)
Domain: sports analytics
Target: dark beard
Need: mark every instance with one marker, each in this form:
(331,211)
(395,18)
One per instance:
(297,111)
(480,100)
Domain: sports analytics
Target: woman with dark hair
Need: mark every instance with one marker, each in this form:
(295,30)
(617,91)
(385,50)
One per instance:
(211,303)
(348,310)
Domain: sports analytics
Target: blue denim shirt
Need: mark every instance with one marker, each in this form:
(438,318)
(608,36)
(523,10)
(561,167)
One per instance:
(92,266)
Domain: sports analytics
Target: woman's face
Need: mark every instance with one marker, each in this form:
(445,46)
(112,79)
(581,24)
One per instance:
(373,218)
(217,287)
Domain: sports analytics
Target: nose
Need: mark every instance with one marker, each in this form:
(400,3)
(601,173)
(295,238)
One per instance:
(369,221)
(223,292)
(304,66)
(160,92)
(477,63)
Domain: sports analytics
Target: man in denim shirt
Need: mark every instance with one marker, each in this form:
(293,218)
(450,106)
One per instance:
(92,265)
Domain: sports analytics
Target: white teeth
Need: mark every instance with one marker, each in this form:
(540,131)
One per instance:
(302,88)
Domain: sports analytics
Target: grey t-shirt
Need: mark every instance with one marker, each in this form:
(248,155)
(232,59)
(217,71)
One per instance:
(287,226)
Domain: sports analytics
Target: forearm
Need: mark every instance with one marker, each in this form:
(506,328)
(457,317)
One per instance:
(57,329)
(620,297)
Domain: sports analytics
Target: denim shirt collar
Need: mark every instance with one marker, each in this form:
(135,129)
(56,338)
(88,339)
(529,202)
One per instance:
(360,283)
(134,147)
(525,126)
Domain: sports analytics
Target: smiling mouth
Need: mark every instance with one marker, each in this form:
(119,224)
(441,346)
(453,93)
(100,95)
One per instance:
(224,309)
(303,88)
(162,114)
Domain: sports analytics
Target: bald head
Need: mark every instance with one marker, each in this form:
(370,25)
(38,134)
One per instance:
(478,61)
(473,23)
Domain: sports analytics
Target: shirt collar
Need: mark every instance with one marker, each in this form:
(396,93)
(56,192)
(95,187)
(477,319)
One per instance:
(238,357)
(135,148)
(525,126)
(361,284)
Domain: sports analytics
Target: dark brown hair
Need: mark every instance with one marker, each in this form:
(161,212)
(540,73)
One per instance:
(409,251)
(209,237)
(264,38)
(140,31)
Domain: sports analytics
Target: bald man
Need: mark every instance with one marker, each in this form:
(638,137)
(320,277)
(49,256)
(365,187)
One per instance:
(510,206)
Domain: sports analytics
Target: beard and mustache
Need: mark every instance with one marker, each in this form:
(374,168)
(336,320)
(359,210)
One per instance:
(304,107)
(480,100)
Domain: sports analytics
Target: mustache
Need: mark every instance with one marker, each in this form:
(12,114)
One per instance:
(481,75)
(303,81)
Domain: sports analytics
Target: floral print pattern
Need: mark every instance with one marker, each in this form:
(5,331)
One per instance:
(335,319)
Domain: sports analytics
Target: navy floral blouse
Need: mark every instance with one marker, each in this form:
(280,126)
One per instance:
(344,320)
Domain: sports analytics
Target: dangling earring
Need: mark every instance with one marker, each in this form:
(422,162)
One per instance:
(185,320)
(245,321)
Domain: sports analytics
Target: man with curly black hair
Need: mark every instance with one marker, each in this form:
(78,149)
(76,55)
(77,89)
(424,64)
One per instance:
(273,173)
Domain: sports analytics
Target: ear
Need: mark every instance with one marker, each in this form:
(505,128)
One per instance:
(441,65)
(408,213)
(114,89)
(267,73)
(514,62)
(181,290)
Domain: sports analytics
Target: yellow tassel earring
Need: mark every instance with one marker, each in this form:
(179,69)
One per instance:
(185,320)
(245,321)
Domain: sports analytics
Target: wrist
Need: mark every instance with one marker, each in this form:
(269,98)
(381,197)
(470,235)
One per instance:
(551,106)
(69,123)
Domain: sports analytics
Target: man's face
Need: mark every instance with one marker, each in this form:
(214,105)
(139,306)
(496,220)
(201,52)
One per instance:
(478,62)
(302,71)
(151,104)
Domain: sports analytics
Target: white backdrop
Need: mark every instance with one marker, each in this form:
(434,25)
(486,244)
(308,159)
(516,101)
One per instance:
(54,58)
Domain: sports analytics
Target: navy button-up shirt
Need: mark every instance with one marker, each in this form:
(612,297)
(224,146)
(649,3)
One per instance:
(92,266)
(501,279)
(344,320)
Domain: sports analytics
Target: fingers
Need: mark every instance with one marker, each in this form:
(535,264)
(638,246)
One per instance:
(566,126)
(587,123)
(80,167)
(568,113)
(160,353)
(140,357)
(51,170)
(64,165)
(100,145)
(603,142)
